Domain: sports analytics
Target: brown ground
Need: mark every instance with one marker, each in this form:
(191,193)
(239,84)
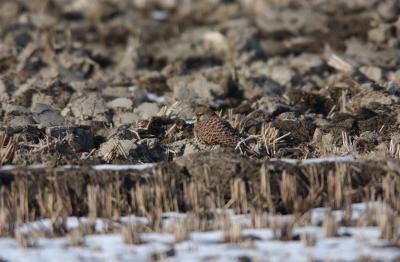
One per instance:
(306,79)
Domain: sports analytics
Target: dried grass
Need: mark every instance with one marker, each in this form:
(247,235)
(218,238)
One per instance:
(7,148)
(389,224)
(130,234)
(25,240)
(329,225)
(283,230)
(232,232)
(308,240)
(275,190)
(75,238)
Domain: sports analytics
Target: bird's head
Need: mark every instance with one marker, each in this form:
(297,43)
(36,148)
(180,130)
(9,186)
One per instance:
(202,113)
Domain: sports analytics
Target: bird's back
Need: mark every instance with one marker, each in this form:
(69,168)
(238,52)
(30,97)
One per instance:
(216,131)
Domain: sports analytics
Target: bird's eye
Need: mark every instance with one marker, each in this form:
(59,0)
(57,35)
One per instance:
(200,116)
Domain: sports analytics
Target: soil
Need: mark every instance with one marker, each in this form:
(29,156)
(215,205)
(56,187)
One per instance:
(213,174)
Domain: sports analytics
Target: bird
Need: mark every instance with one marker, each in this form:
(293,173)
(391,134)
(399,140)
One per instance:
(212,130)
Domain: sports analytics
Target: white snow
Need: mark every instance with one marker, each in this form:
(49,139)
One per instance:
(150,96)
(358,210)
(100,225)
(111,248)
(351,244)
(158,15)
(338,159)
(7,167)
(123,167)
(99,167)
(112,167)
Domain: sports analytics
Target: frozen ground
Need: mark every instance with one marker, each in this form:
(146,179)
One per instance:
(143,166)
(351,244)
(208,245)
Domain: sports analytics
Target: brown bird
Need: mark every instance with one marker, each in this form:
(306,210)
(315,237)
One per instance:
(210,129)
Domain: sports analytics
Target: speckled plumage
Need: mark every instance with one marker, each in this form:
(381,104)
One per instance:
(210,129)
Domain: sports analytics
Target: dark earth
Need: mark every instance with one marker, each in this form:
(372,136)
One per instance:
(118,83)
